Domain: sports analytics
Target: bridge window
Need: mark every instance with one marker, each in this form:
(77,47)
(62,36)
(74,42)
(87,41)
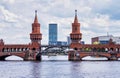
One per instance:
(103,49)
(94,49)
(3,50)
(10,49)
(15,49)
(23,49)
(18,49)
(27,48)
(7,49)
(33,49)
(75,48)
(99,49)
(111,49)
(117,49)
(106,49)
(87,49)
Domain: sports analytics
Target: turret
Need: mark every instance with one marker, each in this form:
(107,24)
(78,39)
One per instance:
(1,42)
(1,45)
(35,35)
(76,36)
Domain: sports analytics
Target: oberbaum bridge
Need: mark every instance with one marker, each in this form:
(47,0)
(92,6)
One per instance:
(32,50)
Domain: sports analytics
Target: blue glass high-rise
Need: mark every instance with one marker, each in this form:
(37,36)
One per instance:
(52,34)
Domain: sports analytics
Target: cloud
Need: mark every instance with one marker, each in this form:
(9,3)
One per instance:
(9,1)
(96,18)
(9,16)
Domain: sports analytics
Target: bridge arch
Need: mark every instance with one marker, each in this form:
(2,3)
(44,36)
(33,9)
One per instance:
(13,57)
(106,55)
(5,56)
(33,48)
(54,48)
(21,55)
(95,56)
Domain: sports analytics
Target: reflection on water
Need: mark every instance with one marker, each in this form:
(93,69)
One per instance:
(59,69)
(65,57)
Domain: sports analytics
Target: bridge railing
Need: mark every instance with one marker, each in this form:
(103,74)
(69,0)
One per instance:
(95,51)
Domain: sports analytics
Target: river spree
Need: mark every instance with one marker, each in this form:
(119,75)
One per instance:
(59,69)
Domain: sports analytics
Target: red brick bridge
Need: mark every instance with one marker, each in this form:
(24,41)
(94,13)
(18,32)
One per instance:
(110,50)
(30,51)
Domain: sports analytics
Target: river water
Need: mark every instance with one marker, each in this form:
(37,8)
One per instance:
(57,67)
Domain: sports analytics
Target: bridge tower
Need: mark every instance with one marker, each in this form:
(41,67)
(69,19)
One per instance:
(1,45)
(35,36)
(75,35)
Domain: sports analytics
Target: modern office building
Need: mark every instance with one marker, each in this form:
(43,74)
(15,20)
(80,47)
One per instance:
(61,43)
(68,40)
(53,34)
(105,39)
(82,42)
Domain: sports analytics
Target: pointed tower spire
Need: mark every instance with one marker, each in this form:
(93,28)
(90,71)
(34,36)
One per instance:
(75,35)
(75,20)
(35,35)
(36,19)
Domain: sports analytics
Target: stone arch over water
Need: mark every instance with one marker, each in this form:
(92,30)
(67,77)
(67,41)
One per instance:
(5,57)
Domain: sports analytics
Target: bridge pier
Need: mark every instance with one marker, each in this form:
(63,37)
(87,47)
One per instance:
(32,56)
(2,58)
(113,57)
(74,56)
(38,57)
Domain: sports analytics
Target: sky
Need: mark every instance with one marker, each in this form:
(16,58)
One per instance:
(97,18)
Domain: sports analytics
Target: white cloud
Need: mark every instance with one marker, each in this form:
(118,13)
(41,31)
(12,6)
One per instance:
(9,16)
(9,1)
(94,16)
(101,20)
